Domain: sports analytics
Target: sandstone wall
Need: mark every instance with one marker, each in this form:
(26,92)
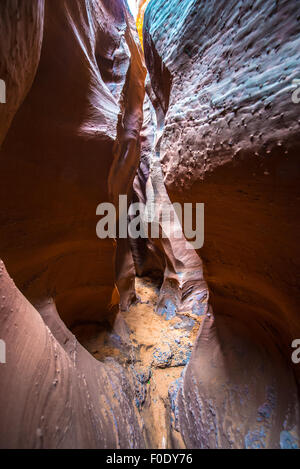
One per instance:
(222,73)
(78,125)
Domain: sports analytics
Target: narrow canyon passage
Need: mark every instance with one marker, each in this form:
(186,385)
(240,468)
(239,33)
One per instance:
(159,340)
(155,350)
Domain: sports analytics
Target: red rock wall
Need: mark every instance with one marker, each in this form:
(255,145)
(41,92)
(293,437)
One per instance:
(76,131)
(21,41)
(78,127)
(222,73)
(54,393)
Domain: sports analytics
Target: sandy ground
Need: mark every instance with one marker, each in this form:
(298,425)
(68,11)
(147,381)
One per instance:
(156,349)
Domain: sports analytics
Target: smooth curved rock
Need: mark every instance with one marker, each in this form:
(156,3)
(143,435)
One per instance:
(54,394)
(79,122)
(21,30)
(72,145)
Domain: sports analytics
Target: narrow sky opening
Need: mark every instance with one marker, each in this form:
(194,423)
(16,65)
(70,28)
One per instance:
(133,7)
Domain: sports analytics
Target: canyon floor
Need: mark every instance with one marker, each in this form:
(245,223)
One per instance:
(155,347)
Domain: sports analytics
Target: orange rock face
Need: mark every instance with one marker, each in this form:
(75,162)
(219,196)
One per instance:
(140,17)
(20,48)
(84,111)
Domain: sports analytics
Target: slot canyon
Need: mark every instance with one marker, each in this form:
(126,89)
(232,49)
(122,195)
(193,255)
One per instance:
(149,342)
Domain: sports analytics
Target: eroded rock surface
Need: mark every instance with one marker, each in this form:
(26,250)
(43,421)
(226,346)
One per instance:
(223,75)
(168,255)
